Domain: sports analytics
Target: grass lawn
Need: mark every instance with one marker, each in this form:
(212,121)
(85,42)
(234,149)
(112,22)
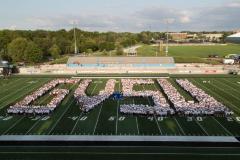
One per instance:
(192,54)
(106,119)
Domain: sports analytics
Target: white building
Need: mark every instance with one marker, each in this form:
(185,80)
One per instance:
(213,36)
(235,38)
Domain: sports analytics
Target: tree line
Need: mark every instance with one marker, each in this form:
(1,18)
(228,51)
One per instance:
(40,45)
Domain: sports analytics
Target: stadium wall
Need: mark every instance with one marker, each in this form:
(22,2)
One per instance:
(178,69)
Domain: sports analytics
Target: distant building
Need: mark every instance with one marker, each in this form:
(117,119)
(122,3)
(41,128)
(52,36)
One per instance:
(235,38)
(192,36)
(5,68)
(178,36)
(213,36)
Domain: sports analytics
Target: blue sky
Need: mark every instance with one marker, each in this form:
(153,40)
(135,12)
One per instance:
(121,15)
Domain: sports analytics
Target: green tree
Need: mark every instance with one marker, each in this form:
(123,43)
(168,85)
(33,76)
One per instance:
(89,51)
(104,53)
(16,49)
(119,51)
(33,53)
(55,51)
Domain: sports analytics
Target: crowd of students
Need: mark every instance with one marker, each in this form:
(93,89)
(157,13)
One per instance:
(205,105)
(25,106)
(161,107)
(88,103)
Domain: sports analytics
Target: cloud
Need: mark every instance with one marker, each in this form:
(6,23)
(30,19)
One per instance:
(234,4)
(13,27)
(157,18)
(218,18)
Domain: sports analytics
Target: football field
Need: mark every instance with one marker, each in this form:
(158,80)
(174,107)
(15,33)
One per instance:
(106,119)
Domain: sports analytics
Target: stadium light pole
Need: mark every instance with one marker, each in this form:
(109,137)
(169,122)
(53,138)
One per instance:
(75,40)
(167,41)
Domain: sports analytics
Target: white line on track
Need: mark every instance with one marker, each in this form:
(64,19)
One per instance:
(128,153)
(110,146)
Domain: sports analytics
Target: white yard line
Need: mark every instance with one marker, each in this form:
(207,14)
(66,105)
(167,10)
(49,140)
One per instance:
(80,115)
(216,94)
(136,120)
(97,119)
(233,88)
(13,125)
(64,111)
(38,119)
(117,118)
(60,117)
(223,127)
(33,125)
(180,127)
(227,80)
(202,127)
(154,113)
(14,92)
(75,125)
(20,95)
(137,125)
(223,90)
(12,86)
(117,111)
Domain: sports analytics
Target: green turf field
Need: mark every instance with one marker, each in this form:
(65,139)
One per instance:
(106,120)
(192,54)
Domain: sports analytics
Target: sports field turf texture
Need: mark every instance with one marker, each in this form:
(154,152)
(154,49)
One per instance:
(192,54)
(106,119)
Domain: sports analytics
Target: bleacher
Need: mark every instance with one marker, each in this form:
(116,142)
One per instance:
(135,62)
